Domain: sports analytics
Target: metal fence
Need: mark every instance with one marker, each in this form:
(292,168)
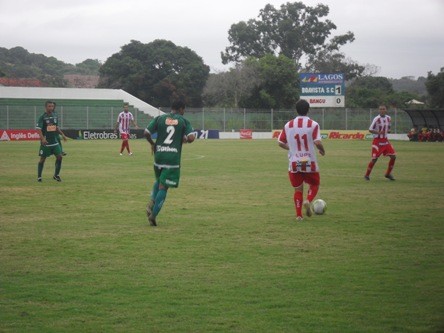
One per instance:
(222,119)
(70,117)
(227,120)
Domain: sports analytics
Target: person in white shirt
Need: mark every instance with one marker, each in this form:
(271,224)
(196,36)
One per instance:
(380,127)
(300,137)
(124,120)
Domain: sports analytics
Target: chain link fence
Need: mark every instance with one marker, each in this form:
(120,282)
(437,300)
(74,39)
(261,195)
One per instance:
(222,119)
(228,120)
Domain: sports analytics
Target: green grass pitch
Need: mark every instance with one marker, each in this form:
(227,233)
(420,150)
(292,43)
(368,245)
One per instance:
(228,254)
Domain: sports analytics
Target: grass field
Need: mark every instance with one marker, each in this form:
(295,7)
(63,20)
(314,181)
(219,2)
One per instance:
(228,254)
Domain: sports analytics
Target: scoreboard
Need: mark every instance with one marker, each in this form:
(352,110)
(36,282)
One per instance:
(323,90)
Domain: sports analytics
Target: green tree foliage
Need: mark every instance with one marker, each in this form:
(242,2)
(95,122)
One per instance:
(435,88)
(88,67)
(261,83)
(226,89)
(279,83)
(17,62)
(370,92)
(334,62)
(295,30)
(408,83)
(156,72)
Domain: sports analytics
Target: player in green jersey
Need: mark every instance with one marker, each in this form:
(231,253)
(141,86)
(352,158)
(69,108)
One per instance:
(172,130)
(48,130)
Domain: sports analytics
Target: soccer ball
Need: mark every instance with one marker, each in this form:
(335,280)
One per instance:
(319,206)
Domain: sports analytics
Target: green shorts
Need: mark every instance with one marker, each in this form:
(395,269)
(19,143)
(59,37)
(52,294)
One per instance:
(168,177)
(46,151)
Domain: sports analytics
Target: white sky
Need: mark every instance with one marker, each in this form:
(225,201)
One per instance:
(401,37)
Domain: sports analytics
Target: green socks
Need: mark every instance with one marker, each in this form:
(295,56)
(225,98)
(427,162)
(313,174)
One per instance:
(155,190)
(160,199)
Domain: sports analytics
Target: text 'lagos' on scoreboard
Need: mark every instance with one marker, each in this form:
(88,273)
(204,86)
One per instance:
(323,90)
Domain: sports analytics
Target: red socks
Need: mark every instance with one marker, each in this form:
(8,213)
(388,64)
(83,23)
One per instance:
(297,197)
(312,191)
(390,166)
(370,168)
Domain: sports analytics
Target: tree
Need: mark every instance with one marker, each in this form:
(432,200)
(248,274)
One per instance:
(370,92)
(262,83)
(157,72)
(278,86)
(226,89)
(435,88)
(334,62)
(408,83)
(89,67)
(18,63)
(295,30)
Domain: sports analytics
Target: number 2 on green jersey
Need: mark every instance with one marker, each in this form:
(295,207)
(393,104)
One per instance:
(170,130)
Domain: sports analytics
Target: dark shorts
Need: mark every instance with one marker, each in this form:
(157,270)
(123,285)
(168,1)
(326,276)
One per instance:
(46,151)
(168,177)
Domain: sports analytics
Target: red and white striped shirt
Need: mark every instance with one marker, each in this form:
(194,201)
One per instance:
(124,119)
(381,124)
(300,135)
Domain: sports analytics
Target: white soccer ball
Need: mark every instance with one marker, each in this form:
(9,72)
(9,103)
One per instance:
(319,206)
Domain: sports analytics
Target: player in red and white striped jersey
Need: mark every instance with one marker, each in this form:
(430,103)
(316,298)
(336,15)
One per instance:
(300,136)
(124,121)
(380,127)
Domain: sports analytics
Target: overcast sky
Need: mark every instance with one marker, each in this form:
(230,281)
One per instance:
(400,37)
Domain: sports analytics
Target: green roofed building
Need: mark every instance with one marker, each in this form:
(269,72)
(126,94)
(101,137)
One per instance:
(20,107)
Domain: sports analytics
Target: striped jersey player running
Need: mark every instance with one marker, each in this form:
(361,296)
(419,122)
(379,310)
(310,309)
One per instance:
(300,136)
(380,127)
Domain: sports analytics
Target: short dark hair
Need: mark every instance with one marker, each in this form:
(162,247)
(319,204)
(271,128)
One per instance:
(178,104)
(50,102)
(302,107)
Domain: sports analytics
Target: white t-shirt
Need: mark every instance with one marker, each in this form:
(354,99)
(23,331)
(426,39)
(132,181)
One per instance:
(300,134)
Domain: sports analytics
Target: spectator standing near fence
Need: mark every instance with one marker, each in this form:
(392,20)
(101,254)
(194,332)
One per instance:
(48,130)
(123,124)
(380,127)
(300,137)
(172,130)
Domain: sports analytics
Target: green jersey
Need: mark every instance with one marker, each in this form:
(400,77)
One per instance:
(170,129)
(47,123)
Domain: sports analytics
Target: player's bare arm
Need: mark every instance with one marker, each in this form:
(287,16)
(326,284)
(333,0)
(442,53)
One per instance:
(61,133)
(150,140)
(189,138)
(320,147)
(42,137)
(283,145)
(134,124)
